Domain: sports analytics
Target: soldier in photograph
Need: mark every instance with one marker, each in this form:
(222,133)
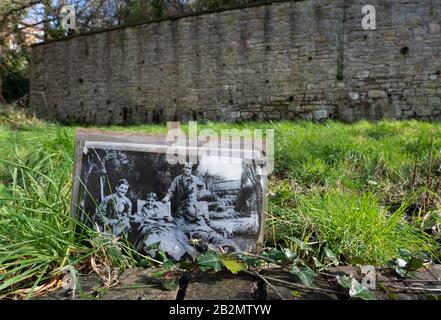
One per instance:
(189,215)
(184,188)
(113,214)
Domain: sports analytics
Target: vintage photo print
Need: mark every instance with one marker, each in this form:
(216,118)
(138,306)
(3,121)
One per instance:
(124,186)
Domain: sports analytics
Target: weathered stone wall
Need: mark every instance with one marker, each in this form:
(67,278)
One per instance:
(287,60)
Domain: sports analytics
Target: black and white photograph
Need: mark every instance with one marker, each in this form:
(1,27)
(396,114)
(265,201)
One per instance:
(129,190)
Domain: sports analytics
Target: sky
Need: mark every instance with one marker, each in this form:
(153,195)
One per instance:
(221,166)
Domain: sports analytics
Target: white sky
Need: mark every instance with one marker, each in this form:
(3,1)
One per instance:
(228,168)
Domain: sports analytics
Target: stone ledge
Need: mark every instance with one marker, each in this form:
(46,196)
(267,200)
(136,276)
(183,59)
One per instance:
(223,286)
(139,284)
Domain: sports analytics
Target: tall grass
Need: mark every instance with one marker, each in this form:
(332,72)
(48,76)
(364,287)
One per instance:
(38,235)
(355,227)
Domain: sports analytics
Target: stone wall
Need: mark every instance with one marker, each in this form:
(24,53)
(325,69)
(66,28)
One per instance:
(286,60)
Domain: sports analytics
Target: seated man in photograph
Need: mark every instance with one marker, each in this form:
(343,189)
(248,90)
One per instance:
(157,226)
(113,214)
(189,214)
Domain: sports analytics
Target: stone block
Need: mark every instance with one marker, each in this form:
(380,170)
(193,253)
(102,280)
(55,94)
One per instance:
(320,114)
(434,101)
(354,95)
(362,74)
(423,110)
(139,284)
(434,28)
(375,94)
(222,286)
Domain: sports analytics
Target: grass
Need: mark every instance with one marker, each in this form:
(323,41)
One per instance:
(37,238)
(359,190)
(356,228)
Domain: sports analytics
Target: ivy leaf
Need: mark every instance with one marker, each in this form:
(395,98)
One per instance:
(402,272)
(186,265)
(209,261)
(415,264)
(400,263)
(276,255)
(344,281)
(166,267)
(234,265)
(252,261)
(170,284)
(423,256)
(405,253)
(317,263)
(357,290)
(160,273)
(304,273)
(331,256)
(289,253)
